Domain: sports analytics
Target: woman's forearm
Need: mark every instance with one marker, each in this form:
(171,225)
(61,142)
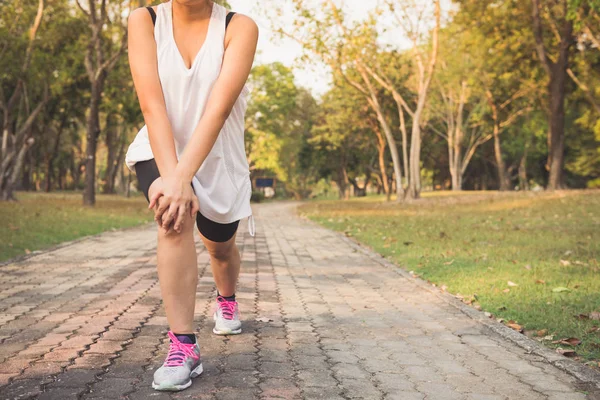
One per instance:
(201,143)
(162,144)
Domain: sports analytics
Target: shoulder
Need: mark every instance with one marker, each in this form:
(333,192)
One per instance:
(140,17)
(243,25)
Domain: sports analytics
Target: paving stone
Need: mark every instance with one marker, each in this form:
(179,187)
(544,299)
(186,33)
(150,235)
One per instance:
(276,370)
(319,378)
(74,378)
(61,393)
(343,326)
(275,388)
(314,393)
(112,388)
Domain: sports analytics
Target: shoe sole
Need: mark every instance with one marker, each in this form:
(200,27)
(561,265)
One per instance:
(225,332)
(175,388)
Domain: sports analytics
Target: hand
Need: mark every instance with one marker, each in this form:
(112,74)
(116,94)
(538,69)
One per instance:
(176,198)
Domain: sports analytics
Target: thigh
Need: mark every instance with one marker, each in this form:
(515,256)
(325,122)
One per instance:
(215,231)
(147,173)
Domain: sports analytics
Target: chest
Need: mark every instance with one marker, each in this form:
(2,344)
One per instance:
(204,70)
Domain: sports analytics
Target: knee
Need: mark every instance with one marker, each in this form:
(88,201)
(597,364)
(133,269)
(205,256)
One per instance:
(222,253)
(187,232)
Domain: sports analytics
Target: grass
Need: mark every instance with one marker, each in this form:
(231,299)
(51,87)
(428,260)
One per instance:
(547,245)
(41,220)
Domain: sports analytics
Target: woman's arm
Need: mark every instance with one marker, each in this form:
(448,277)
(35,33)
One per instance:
(237,63)
(144,71)
(241,44)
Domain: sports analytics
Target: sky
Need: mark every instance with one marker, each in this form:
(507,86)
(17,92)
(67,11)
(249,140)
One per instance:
(271,48)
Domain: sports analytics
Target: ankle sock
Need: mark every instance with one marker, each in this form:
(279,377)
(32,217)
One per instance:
(188,338)
(228,298)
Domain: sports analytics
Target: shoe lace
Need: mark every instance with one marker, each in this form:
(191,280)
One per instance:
(178,352)
(227,307)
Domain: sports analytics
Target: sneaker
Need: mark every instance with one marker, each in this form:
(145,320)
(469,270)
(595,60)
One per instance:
(227,317)
(182,363)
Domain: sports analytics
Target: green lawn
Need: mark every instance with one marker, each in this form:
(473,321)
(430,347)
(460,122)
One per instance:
(526,257)
(40,220)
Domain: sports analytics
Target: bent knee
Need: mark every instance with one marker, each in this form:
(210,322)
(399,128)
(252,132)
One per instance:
(187,230)
(221,252)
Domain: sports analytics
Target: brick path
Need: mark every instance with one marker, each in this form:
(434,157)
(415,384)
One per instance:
(85,321)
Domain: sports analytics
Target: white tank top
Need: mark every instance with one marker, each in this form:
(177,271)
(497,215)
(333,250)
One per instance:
(222,184)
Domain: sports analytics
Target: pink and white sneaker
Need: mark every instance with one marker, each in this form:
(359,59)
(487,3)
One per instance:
(181,365)
(227,317)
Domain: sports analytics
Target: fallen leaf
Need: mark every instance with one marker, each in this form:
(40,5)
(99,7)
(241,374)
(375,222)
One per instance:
(449,262)
(595,315)
(506,290)
(568,252)
(561,289)
(542,332)
(528,266)
(593,329)
(582,316)
(540,281)
(408,243)
(488,314)
(565,263)
(515,326)
(566,352)
(512,284)
(568,341)
(27,251)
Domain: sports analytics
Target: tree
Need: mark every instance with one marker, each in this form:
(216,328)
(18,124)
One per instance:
(555,66)
(341,47)
(100,59)
(17,136)
(410,16)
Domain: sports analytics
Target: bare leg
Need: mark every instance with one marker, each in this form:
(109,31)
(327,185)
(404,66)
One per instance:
(225,264)
(178,274)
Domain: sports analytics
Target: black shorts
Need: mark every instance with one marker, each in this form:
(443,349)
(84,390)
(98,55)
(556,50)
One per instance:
(147,173)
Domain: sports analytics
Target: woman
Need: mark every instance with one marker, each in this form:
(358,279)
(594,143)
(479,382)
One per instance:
(190,60)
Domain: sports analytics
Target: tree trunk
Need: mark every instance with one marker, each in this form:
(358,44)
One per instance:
(53,155)
(503,178)
(414,186)
(557,75)
(381,145)
(376,106)
(523,182)
(97,66)
(93,131)
(8,190)
(115,146)
(404,137)
(556,119)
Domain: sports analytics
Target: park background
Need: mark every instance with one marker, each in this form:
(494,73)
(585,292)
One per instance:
(460,139)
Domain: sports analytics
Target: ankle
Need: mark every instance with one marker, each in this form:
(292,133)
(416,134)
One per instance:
(228,298)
